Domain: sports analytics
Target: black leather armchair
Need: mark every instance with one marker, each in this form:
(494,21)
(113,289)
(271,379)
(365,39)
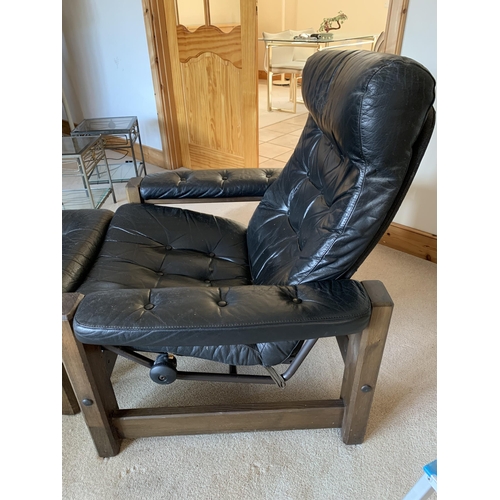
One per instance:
(172,282)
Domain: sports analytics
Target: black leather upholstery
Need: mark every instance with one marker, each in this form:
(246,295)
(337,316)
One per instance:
(174,280)
(83,232)
(147,246)
(200,184)
(170,317)
(350,166)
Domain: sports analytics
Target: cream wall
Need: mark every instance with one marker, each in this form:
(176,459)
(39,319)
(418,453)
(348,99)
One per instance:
(191,12)
(365,17)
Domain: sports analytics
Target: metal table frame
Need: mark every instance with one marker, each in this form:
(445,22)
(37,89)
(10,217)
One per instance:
(82,158)
(118,133)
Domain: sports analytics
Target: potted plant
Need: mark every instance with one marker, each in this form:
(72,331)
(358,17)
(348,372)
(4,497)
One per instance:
(330,24)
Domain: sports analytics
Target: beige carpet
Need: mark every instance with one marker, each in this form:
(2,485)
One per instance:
(290,465)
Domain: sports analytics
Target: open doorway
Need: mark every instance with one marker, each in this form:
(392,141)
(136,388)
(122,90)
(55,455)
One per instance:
(279,131)
(155,22)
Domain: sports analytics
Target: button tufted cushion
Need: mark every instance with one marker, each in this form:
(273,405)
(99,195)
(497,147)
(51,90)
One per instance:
(161,320)
(147,246)
(350,170)
(184,183)
(82,234)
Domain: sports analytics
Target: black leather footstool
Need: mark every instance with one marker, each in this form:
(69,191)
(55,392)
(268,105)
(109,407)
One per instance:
(82,235)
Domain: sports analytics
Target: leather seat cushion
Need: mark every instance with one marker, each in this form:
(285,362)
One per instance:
(292,65)
(149,246)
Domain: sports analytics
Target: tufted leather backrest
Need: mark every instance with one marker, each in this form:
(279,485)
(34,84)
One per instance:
(370,121)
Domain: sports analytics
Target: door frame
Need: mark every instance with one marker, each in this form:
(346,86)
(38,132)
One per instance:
(395,26)
(161,69)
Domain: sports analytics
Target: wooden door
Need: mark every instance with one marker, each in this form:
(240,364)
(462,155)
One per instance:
(211,80)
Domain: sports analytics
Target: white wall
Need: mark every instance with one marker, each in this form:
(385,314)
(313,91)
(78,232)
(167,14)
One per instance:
(106,72)
(419,209)
(106,63)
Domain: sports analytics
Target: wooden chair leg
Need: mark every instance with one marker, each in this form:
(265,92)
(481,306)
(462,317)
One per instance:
(69,402)
(362,363)
(88,369)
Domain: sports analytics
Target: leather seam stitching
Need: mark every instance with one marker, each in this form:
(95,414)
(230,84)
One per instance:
(219,327)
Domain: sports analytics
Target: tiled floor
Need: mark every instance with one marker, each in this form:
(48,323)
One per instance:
(277,140)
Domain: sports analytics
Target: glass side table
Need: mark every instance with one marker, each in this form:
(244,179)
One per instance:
(119,134)
(86,180)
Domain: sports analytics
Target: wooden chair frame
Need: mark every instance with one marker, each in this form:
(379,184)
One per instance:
(89,368)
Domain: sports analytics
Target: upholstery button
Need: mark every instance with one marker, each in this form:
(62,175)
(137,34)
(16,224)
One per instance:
(268,176)
(211,254)
(224,178)
(222,303)
(182,179)
(168,247)
(159,273)
(148,307)
(297,301)
(207,282)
